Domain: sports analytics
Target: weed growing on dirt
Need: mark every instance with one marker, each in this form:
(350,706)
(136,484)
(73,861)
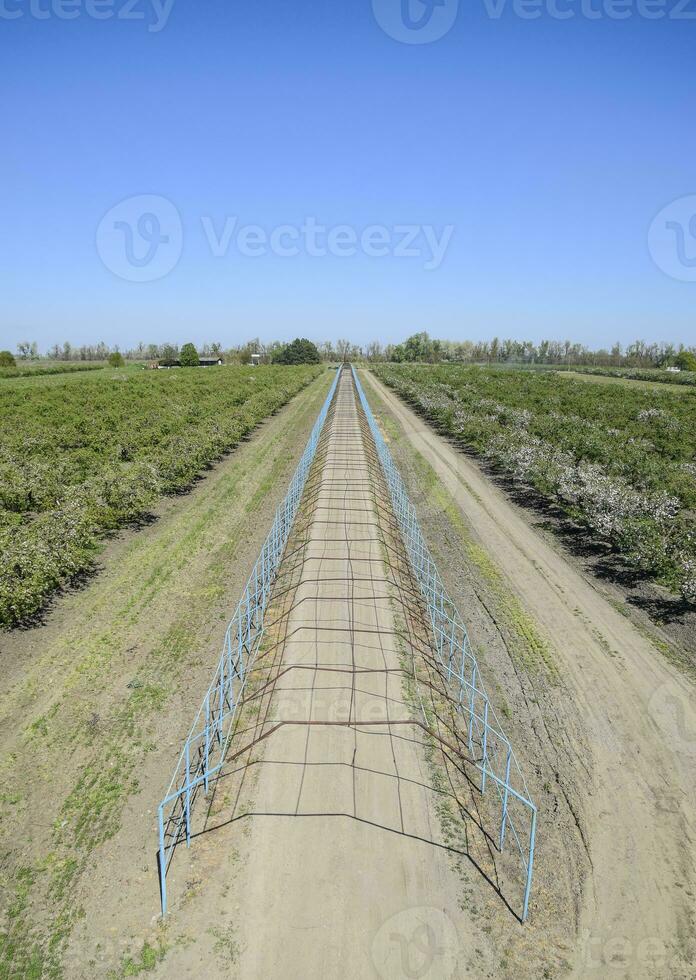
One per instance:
(144,962)
(226,946)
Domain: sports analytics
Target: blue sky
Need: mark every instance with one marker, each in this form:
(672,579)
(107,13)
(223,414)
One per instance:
(545,146)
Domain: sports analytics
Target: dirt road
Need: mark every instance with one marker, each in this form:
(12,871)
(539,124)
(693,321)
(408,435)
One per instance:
(345,837)
(343,851)
(636,916)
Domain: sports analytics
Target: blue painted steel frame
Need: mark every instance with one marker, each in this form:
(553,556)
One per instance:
(204,751)
(489,748)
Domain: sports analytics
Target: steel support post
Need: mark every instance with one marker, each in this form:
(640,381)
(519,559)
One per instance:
(188,793)
(207,741)
(506,793)
(530,863)
(485,745)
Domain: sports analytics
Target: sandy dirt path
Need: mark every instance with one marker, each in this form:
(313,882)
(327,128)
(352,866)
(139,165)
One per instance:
(640,717)
(344,868)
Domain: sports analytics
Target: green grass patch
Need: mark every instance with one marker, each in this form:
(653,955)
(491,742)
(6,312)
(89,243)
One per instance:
(144,961)
(530,648)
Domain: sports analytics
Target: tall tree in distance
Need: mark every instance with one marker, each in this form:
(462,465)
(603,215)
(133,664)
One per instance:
(300,351)
(189,356)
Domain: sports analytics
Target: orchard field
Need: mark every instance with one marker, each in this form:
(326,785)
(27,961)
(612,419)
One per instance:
(653,375)
(620,461)
(83,454)
(37,369)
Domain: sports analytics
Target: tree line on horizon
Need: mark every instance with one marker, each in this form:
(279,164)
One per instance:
(418,347)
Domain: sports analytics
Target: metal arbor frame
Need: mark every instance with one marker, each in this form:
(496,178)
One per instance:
(489,749)
(205,748)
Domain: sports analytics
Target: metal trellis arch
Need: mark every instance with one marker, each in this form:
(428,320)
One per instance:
(205,748)
(489,748)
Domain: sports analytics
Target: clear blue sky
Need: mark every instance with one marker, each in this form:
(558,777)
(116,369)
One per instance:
(548,145)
